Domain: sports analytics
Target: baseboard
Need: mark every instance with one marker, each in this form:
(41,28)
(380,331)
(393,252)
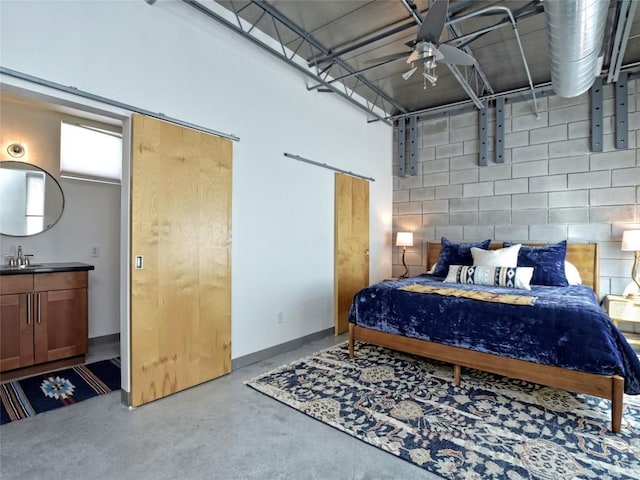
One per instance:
(278,349)
(125,397)
(95,341)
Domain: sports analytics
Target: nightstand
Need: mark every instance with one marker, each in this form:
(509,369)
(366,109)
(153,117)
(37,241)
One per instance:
(623,309)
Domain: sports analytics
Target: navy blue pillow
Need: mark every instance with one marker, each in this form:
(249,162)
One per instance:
(547,262)
(456,254)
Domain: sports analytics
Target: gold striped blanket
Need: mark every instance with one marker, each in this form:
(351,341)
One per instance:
(474,294)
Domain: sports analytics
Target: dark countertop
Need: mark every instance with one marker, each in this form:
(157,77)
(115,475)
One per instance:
(46,268)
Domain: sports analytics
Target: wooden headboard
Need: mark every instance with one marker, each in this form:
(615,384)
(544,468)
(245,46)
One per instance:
(585,256)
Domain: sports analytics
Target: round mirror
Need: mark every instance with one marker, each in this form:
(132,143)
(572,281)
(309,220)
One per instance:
(31,200)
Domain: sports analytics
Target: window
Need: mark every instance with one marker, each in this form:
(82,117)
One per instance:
(35,202)
(89,153)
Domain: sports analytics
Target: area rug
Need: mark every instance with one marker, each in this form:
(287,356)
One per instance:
(489,427)
(47,391)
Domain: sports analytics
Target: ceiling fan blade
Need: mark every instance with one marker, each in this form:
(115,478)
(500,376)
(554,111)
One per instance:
(455,55)
(408,73)
(433,22)
(387,58)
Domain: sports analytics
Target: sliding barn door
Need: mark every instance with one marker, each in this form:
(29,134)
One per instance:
(180,249)
(351,244)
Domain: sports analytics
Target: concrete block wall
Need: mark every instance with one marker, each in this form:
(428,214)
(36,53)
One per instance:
(550,188)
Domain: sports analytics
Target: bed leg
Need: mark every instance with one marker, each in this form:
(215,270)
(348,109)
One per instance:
(351,340)
(457,369)
(616,403)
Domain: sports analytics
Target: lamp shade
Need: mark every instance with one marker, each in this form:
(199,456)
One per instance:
(630,240)
(404,239)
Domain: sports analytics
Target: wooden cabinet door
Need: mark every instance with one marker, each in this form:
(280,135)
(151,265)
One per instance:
(16,331)
(60,325)
(180,250)
(351,244)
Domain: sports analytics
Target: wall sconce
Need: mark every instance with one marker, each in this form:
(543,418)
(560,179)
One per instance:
(631,243)
(404,240)
(16,150)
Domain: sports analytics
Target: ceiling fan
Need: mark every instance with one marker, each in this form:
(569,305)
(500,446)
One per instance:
(427,47)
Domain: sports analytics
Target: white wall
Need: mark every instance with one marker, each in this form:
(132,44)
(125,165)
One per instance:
(168,58)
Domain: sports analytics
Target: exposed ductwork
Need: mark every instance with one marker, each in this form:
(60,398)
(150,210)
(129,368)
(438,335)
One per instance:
(575,30)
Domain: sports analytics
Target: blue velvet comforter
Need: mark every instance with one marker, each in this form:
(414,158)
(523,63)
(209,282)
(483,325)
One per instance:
(565,327)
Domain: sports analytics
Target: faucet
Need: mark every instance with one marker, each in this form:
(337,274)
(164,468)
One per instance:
(22,260)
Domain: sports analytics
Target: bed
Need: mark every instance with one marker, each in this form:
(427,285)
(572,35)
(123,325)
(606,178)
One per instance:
(580,349)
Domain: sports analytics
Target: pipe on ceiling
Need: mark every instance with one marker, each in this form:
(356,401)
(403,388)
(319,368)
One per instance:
(575,30)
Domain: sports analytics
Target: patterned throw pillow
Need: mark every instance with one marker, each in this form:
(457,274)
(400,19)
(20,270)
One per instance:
(453,253)
(548,263)
(512,277)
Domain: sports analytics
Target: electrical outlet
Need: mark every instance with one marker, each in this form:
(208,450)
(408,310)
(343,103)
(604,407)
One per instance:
(95,251)
(280,318)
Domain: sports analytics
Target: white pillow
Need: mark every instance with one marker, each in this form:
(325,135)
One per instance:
(512,277)
(572,274)
(502,257)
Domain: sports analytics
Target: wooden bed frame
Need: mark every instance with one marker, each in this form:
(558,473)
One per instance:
(611,387)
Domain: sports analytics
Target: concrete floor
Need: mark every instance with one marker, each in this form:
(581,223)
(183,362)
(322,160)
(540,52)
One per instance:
(219,430)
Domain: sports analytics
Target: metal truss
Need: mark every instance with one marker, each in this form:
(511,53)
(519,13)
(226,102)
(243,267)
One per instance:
(332,74)
(470,81)
(623,22)
(337,76)
(530,8)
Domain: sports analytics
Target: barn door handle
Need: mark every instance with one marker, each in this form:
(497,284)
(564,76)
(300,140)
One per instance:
(366,252)
(139,262)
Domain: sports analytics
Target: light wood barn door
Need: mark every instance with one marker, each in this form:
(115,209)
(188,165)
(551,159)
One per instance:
(351,244)
(181,229)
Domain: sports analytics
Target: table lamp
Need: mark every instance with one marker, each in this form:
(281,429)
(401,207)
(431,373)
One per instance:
(631,243)
(404,240)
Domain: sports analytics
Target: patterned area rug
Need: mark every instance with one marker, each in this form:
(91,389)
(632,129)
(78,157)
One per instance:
(40,393)
(489,427)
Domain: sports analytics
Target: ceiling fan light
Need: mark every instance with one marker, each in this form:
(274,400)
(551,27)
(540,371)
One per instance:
(408,73)
(432,78)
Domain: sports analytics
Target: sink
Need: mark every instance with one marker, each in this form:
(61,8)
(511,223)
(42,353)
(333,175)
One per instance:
(44,267)
(40,268)
(23,267)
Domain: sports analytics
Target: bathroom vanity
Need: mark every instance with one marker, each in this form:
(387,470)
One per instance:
(43,317)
